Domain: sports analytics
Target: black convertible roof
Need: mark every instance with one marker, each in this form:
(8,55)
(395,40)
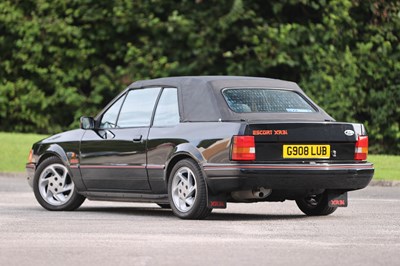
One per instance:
(201,98)
(216,82)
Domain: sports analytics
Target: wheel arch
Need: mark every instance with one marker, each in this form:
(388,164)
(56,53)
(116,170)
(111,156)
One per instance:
(174,160)
(183,151)
(54,150)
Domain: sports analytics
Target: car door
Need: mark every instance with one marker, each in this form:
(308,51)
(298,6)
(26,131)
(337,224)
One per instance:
(113,156)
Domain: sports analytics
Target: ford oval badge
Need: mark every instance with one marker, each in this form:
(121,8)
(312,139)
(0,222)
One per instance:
(349,132)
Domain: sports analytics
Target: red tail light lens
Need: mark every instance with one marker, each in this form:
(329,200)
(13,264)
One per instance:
(361,151)
(243,148)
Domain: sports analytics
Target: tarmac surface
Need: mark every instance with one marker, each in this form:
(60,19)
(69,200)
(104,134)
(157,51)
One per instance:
(106,233)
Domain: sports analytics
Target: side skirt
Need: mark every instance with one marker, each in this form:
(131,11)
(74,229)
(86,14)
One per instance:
(126,197)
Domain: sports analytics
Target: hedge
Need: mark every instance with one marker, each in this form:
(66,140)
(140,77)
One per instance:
(60,59)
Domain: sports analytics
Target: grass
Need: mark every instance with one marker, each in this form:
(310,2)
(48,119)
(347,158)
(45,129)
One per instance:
(387,167)
(15,150)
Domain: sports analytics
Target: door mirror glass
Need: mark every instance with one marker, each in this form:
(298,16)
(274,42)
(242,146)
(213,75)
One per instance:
(87,122)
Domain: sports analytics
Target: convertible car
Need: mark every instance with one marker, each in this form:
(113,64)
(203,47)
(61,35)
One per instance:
(193,144)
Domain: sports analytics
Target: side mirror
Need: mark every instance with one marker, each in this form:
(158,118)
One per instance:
(87,122)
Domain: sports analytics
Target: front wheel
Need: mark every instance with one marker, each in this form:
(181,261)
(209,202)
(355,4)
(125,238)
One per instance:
(187,191)
(54,188)
(315,205)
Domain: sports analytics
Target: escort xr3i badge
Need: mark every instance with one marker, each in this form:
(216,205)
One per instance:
(193,144)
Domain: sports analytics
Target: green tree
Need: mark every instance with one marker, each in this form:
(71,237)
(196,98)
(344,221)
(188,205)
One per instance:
(63,59)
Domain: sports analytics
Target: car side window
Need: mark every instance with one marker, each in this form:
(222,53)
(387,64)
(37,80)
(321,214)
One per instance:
(167,112)
(109,119)
(138,108)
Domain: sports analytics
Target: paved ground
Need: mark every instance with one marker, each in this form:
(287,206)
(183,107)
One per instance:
(102,233)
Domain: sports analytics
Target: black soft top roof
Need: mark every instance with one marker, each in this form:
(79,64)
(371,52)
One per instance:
(201,98)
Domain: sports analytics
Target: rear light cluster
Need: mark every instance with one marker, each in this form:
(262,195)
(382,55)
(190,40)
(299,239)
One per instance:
(361,151)
(243,148)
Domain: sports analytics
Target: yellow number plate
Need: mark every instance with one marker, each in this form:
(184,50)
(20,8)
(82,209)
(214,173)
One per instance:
(306,151)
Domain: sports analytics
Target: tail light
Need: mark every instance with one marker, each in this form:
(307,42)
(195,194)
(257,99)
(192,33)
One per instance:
(361,151)
(243,148)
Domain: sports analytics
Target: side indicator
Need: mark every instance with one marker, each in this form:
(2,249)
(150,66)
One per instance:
(30,157)
(73,158)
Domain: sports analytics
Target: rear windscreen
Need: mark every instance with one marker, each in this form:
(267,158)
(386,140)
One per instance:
(266,101)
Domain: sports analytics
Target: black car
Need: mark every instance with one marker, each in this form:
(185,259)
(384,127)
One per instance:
(195,143)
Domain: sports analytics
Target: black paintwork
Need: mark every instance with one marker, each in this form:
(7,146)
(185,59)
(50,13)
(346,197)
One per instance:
(116,163)
(269,148)
(133,164)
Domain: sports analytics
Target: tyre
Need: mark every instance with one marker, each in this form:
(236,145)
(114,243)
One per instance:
(315,205)
(187,191)
(54,188)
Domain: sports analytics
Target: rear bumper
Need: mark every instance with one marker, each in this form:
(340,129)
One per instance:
(233,177)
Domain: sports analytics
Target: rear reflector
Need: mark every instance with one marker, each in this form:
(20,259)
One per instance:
(361,151)
(243,148)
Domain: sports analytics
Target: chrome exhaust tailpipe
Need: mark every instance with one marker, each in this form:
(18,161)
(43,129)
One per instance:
(261,192)
(258,193)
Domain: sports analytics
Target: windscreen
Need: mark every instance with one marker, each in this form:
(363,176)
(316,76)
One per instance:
(258,100)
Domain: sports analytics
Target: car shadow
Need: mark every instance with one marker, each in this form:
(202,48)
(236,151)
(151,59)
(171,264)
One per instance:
(167,213)
(142,211)
(253,217)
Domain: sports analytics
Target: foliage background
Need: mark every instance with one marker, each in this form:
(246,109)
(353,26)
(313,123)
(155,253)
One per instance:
(63,59)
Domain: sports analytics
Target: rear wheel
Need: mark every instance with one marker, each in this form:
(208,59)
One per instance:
(54,188)
(187,191)
(315,205)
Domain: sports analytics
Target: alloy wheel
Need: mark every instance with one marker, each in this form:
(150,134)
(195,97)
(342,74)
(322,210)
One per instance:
(184,189)
(55,185)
